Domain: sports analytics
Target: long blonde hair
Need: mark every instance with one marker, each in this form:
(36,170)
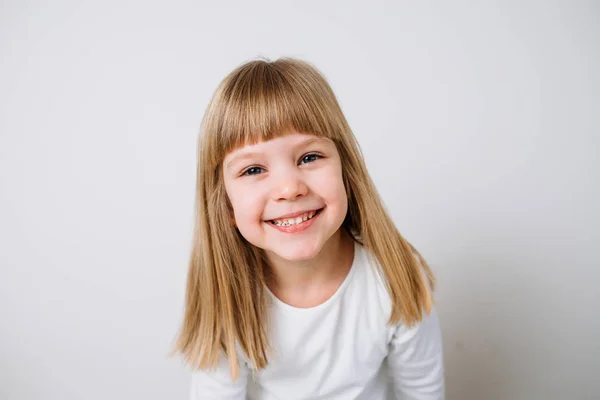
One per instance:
(225,304)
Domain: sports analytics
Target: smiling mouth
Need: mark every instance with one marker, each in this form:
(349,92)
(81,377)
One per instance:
(296,221)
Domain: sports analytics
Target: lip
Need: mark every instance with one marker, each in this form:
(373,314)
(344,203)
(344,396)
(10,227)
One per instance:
(294,215)
(299,227)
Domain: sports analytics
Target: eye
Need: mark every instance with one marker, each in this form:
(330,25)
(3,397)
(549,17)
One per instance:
(311,157)
(251,171)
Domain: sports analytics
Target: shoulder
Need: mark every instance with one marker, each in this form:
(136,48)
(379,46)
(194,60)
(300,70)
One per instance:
(369,277)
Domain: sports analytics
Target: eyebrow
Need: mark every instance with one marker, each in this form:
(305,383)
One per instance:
(252,154)
(243,156)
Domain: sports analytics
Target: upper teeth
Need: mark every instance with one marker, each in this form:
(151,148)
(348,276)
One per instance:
(294,221)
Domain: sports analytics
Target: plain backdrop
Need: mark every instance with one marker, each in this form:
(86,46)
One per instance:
(478,120)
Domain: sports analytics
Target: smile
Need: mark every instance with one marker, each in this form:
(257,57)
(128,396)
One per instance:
(297,224)
(295,221)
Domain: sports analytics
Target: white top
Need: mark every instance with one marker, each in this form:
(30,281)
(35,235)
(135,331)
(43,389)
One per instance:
(342,349)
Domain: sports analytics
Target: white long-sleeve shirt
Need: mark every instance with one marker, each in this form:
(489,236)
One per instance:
(342,349)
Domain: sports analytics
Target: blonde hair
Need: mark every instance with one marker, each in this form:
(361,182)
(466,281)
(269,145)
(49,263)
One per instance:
(225,305)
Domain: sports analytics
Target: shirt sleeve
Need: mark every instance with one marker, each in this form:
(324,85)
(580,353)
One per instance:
(217,384)
(415,360)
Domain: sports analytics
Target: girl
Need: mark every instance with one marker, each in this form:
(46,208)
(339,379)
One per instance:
(299,284)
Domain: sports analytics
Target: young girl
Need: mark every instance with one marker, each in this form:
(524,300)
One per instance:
(299,284)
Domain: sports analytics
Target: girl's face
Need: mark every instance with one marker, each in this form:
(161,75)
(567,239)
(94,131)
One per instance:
(287,194)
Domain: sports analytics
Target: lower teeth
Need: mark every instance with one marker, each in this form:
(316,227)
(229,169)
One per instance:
(291,224)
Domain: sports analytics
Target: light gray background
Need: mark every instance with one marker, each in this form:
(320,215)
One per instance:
(479,123)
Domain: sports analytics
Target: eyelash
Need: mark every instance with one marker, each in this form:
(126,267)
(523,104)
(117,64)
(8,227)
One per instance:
(318,156)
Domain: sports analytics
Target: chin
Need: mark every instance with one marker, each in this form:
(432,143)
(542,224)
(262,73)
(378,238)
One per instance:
(299,253)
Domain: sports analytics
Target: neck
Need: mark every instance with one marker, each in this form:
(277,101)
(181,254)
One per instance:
(332,263)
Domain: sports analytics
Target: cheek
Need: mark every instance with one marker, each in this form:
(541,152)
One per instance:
(246,206)
(331,186)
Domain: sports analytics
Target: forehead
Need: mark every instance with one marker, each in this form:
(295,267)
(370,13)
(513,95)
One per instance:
(287,141)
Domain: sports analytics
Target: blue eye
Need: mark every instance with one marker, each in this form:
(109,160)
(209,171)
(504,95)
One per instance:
(249,171)
(308,158)
(311,157)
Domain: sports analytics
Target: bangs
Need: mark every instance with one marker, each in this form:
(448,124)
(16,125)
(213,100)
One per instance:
(262,100)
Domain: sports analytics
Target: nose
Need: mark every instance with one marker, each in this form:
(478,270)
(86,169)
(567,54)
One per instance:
(289,185)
